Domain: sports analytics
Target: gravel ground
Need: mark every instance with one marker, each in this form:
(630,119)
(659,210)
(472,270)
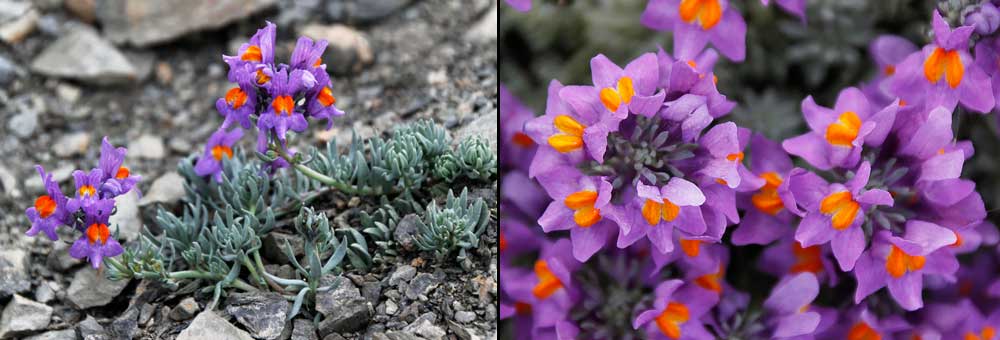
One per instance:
(395,61)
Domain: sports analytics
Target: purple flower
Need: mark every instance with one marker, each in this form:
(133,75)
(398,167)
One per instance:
(789,257)
(676,312)
(988,59)
(525,197)
(254,56)
(117,179)
(835,212)
(725,156)
(620,92)
(838,134)
(543,296)
(944,73)
(859,323)
(281,114)
(517,148)
(985,18)
(520,5)
(96,242)
(308,54)
(963,319)
(901,262)
(239,102)
(87,185)
(565,133)
(219,145)
(701,21)
(576,206)
(49,210)
(655,212)
(766,218)
(788,306)
(888,51)
(320,100)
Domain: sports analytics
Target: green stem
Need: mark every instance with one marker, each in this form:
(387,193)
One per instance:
(253,271)
(330,181)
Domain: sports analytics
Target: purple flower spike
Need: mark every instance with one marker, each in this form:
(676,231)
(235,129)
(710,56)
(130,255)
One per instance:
(320,100)
(766,218)
(835,212)
(789,308)
(239,102)
(87,186)
(677,311)
(96,243)
(701,21)
(901,262)
(838,134)
(219,146)
(49,210)
(256,54)
(944,72)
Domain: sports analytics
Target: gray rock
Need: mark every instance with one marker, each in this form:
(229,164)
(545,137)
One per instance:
(90,329)
(59,258)
(168,189)
(403,273)
(8,70)
(71,144)
(209,326)
(422,284)
(54,335)
(23,124)
(147,146)
(348,46)
(263,314)
(425,329)
(44,293)
(391,307)
(22,315)
(17,20)
(89,289)
(143,23)
(8,183)
(344,307)
(126,326)
(465,316)
(365,11)
(274,247)
(72,56)
(372,290)
(464,333)
(184,310)
(484,126)
(86,10)
(68,93)
(406,232)
(143,63)
(127,219)
(485,30)
(304,330)
(14,274)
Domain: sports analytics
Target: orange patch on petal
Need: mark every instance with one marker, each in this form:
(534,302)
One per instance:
(612,98)
(319,61)
(503,242)
(283,104)
(841,207)
(889,70)
(843,131)
(712,281)
(691,247)
(87,190)
(808,259)
(583,202)
(252,54)
(670,320)
(706,12)
(861,331)
(235,97)
(571,137)
(98,232)
(326,97)
(548,283)
(262,77)
(735,157)
(958,240)
(522,139)
(45,205)
(122,173)
(767,199)
(944,63)
(899,262)
(522,308)
(219,151)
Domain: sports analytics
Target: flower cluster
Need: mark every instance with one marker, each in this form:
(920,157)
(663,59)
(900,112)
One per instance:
(273,97)
(645,180)
(88,208)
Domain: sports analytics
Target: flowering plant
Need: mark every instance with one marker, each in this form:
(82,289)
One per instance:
(665,221)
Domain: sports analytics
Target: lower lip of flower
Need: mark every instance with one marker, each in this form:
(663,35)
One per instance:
(45,205)
(98,232)
(219,151)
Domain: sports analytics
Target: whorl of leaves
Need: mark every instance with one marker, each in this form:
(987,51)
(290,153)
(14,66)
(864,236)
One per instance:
(455,226)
